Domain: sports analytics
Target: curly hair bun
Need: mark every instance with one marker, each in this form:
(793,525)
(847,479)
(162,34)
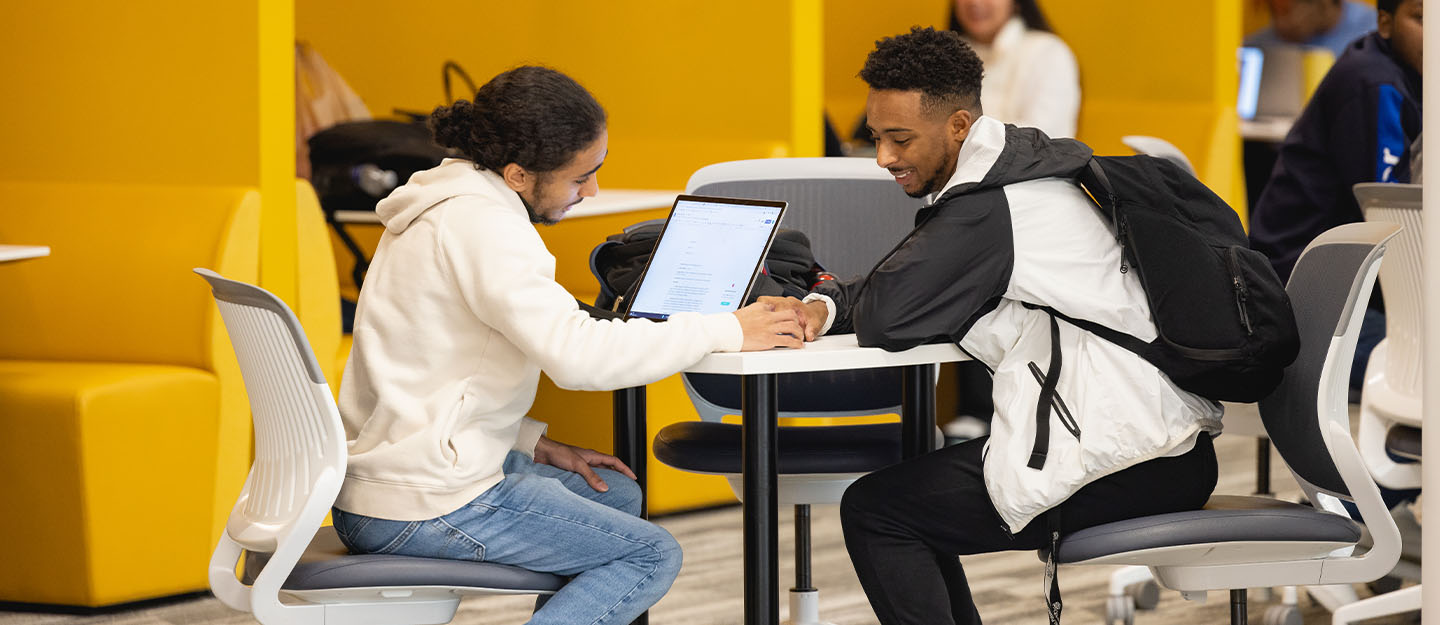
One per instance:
(451,124)
(532,116)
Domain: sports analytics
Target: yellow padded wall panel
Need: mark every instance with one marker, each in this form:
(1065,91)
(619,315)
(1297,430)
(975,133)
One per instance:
(155,91)
(108,293)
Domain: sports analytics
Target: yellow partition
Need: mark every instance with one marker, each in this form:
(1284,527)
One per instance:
(124,426)
(169,93)
(1176,83)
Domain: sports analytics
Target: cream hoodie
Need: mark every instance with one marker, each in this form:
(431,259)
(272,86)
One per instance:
(459,315)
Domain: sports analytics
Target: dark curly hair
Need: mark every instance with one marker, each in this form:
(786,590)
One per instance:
(937,63)
(1387,6)
(532,116)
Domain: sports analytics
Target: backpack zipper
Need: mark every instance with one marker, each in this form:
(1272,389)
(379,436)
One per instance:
(1122,236)
(1242,292)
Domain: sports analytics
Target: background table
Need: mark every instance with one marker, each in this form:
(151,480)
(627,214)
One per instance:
(606,202)
(759,414)
(21,252)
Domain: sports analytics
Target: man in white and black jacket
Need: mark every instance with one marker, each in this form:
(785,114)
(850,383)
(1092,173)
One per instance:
(1005,227)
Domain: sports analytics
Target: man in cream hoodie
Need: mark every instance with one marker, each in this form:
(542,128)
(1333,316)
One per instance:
(459,315)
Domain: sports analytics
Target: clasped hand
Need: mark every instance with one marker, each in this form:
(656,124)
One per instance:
(780,322)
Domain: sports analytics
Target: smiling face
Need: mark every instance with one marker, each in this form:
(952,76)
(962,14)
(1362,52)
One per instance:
(549,195)
(917,145)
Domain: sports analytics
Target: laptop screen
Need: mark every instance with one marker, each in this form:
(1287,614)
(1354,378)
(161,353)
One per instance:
(707,256)
(1252,62)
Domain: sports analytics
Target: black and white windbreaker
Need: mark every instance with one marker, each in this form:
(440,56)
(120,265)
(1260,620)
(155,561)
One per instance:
(1009,230)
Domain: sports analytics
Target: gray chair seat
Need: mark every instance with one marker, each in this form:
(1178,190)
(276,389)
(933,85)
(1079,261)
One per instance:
(328,565)
(710,447)
(1228,530)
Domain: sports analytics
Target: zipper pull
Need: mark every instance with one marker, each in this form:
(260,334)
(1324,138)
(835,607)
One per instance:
(1242,295)
(1122,230)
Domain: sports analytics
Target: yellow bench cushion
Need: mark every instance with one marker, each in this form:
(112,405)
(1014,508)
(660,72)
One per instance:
(104,464)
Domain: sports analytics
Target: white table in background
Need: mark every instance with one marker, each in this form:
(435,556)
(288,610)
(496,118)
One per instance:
(760,407)
(606,202)
(22,252)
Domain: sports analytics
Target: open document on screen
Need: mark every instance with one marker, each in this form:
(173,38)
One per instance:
(706,258)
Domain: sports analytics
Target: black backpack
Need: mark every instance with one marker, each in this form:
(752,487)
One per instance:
(790,267)
(1226,329)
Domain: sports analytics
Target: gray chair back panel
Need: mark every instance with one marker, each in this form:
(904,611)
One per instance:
(852,224)
(1320,291)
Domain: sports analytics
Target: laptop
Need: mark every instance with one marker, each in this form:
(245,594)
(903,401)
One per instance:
(707,257)
(1271,83)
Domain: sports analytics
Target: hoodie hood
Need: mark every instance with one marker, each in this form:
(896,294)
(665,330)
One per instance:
(996,154)
(453,177)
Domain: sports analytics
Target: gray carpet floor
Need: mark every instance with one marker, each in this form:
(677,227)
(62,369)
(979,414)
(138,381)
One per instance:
(1007,586)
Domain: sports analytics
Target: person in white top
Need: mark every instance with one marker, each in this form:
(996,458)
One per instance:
(459,315)
(1030,74)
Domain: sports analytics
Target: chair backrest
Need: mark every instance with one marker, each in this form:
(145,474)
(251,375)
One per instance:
(300,448)
(854,214)
(1328,289)
(1400,280)
(851,208)
(1159,148)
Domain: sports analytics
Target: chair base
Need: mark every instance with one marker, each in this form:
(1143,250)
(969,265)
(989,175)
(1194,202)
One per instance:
(801,489)
(416,611)
(1403,600)
(805,608)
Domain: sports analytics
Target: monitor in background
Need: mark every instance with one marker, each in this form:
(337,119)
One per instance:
(707,257)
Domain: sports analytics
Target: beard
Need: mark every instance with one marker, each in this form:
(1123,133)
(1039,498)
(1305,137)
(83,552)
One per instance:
(536,218)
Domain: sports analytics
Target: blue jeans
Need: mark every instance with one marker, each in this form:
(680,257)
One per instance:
(545,519)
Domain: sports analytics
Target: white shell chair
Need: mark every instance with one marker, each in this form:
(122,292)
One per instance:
(295,571)
(1237,543)
(1390,398)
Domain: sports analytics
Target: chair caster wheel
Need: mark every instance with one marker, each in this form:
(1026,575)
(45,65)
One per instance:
(1283,615)
(1120,610)
(1146,595)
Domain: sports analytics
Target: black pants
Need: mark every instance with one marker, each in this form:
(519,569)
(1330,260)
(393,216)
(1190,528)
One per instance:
(905,525)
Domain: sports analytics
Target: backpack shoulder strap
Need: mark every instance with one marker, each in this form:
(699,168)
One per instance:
(1095,183)
(1117,337)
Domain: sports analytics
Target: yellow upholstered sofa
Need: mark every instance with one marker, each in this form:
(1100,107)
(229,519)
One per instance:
(124,427)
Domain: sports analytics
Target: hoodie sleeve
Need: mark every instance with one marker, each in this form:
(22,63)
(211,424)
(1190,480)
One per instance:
(530,433)
(953,266)
(506,276)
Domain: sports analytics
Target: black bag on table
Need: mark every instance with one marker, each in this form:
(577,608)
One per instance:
(790,268)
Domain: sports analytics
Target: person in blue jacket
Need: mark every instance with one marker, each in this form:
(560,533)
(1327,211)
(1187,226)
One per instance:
(1358,127)
(1329,24)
